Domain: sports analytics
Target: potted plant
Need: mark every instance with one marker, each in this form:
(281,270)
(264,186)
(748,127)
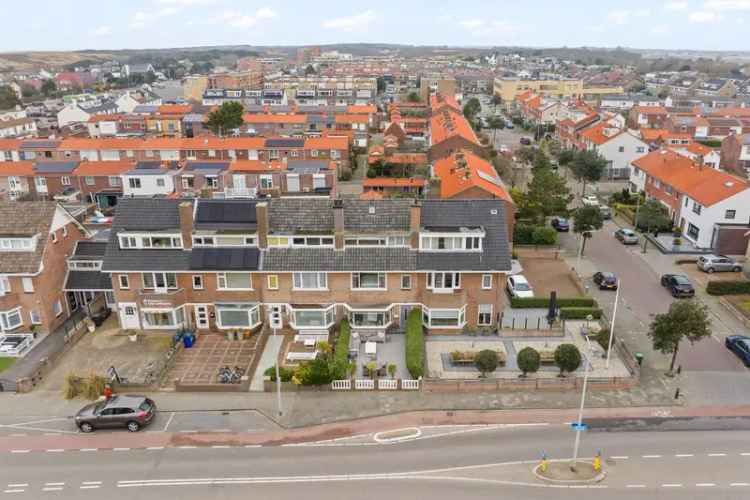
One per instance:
(132,335)
(677,241)
(392,370)
(371,369)
(90,326)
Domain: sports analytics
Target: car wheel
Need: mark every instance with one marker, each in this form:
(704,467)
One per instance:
(674,293)
(134,426)
(710,270)
(86,427)
(737,269)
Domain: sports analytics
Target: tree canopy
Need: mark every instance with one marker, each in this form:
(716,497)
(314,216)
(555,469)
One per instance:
(472,108)
(528,360)
(413,97)
(228,117)
(586,220)
(547,194)
(486,361)
(653,215)
(686,319)
(8,97)
(587,166)
(567,358)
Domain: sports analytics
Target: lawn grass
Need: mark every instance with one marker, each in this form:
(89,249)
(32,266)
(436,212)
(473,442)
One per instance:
(6,362)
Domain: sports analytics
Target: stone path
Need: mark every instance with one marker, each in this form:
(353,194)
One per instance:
(267,360)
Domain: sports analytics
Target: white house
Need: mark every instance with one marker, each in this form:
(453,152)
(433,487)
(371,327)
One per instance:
(149,181)
(619,147)
(76,113)
(698,152)
(725,199)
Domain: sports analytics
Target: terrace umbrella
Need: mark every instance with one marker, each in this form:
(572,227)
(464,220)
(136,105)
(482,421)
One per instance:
(552,312)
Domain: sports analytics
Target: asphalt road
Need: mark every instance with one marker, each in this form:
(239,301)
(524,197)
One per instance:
(471,464)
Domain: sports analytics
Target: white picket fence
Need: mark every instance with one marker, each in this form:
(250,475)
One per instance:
(364,384)
(341,385)
(387,384)
(384,384)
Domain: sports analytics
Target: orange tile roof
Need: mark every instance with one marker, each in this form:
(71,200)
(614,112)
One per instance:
(8,168)
(652,134)
(371,194)
(651,110)
(704,184)
(9,144)
(94,168)
(449,123)
(394,182)
(329,142)
(438,101)
(106,118)
(731,112)
(254,166)
(454,179)
(78,143)
(274,118)
(351,118)
(597,135)
(399,158)
(174,109)
(203,142)
(362,108)
(699,149)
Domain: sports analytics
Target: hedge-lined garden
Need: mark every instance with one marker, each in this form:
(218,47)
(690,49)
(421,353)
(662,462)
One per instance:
(526,234)
(543,302)
(415,343)
(734,287)
(580,312)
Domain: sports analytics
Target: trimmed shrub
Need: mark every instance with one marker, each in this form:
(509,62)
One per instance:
(415,343)
(543,235)
(285,374)
(314,372)
(711,143)
(486,361)
(528,360)
(567,358)
(341,353)
(543,302)
(580,312)
(733,287)
(523,234)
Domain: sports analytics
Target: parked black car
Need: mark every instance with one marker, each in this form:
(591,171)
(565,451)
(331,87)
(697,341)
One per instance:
(678,285)
(740,345)
(606,280)
(561,224)
(131,412)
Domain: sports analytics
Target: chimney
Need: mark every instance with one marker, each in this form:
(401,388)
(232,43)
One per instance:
(415,221)
(186,224)
(338,223)
(699,160)
(261,216)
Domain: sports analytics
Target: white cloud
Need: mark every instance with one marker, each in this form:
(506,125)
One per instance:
(482,28)
(237,19)
(623,16)
(704,16)
(102,31)
(142,18)
(718,5)
(355,22)
(186,3)
(676,5)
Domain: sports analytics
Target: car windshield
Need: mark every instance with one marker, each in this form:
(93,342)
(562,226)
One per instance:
(522,287)
(745,344)
(562,221)
(681,280)
(608,276)
(145,406)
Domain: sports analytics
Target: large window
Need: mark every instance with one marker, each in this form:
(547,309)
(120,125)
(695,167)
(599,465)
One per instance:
(237,315)
(312,318)
(312,241)
(377,241)
(444,318)
(451,243)
(158,281)
(235,281)
(697,208)
(10,320)
(151,241)
(225,240)
(163,318)
(15,244)
(369,319)
(485,315)
(443,281)
(310,281)
(693,231)
(368,281)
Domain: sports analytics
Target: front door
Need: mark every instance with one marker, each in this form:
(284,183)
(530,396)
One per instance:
(72,301)
(404,314)
(292,183)
(239,181)
(201,317)
(129,316)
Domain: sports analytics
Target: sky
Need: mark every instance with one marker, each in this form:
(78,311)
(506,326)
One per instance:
(135,24)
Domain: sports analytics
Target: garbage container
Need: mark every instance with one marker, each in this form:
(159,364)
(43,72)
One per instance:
(187,340)
(639,358)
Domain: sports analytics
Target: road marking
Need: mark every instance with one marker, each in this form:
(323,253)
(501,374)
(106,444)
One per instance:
(252,446)
(705,485)
(169,421)
(120,449)
(220,446)
(651,456)
(155,448)
(222,430)
(683,455)
(672,485)
(57,488)
(13,491)
(51,433)
(745,454)
(187,447)
(20,451)
(92,482)
(54,484)
(619,457)
(92,487)
(54,450)
(89,449)
(18,485)
(717,454)
(18,434)
(188,432)
(635,485)
(739,484)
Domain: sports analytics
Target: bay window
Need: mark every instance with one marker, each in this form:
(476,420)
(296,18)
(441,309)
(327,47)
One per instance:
(163,318)
(368,281)
(237,315)
(10,320)
(443,281)
(444,318)
(312,318)
(310,281)
(234,281)
(369,319)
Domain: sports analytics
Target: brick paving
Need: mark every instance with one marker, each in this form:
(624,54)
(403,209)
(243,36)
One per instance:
(200,364)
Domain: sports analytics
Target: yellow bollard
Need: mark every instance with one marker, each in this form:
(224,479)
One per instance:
(543,464)
(598,462)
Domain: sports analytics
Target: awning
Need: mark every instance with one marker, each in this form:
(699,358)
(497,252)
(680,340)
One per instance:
(88,281)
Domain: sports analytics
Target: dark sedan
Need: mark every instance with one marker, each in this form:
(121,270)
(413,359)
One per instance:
(678,285)
(131,412)
(606,280)
(561,224)
(740,345)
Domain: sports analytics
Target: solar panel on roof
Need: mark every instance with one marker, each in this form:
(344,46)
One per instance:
(142,165)
(489,178)
(55,166)
(224,259)
(285,143)
(223,211)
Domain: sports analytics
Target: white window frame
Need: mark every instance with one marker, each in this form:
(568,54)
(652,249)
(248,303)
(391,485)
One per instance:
(265,181)
(329,316)
(321,281)
(272,281)
(114,181)
(134,182)
(253,316)
(65,180)
(480,314)
(310,241)
(124,281)
(451,242)
(4,285)
(34,317)
(487,285)
(57,308)
(427,314)
(89,180)
(221,281)
(356,281)
(16,244)
(130,241)
(28,284)
(406,277)
(197,281)
(5,324)
(165,278)
(438,278)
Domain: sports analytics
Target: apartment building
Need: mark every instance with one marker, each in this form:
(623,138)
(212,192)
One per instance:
(508,88)
(228,264)
(35,240)
(325,90)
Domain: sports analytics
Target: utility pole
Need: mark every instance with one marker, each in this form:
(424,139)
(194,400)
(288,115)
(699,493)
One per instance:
(579,422)
(276,323)
(612,324)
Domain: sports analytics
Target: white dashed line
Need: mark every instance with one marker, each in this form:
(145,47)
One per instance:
(252,446)
(187,447)
(222,430)
(739,484)
(155,448)
(220,446)
(188,432)
(57,488)
(13,491)
(91,482)
(651,456)
(684,455)
(620,457)
(88,449)
(671,485)
(54,450)
(18,485)
(90,487)
(635,485)
(705,485)
(20,451)
(717,454)
(54,484)
(745,454)
(120,449)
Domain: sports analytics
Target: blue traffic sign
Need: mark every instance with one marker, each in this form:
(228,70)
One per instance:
(579,426)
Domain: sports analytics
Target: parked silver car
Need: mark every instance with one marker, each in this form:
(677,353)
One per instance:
(712,263)
(626,236)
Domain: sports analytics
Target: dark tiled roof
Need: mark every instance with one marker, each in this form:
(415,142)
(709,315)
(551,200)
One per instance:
(40,143)
(490,214)
(90,249)
(376,215)
(328,259)
(289,215)
(285,143)
(209,165)
(25,219)
(224,259)
(88,280)
(306,166)
(52,167)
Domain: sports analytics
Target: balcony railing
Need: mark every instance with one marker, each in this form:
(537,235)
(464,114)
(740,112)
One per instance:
(240,193)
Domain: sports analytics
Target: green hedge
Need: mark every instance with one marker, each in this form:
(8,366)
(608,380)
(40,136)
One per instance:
(543,302)
(735,287)
(711,143)
(580,312)
(285,374)
(415,343)
(341,353)
(528,234)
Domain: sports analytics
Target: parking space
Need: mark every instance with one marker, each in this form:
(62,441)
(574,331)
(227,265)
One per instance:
(201,363)
(547,275)
(701,278)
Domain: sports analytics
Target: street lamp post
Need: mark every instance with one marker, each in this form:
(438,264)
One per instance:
(275,318)
(580,410)
(612,323)
(578,258)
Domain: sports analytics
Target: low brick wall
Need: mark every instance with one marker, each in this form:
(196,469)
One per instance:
(537,251)
(243,386)
(527,384)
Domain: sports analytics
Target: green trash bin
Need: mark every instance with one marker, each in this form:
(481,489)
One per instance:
(639,358)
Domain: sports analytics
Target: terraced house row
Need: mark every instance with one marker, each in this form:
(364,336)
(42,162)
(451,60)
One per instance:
(228,264)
